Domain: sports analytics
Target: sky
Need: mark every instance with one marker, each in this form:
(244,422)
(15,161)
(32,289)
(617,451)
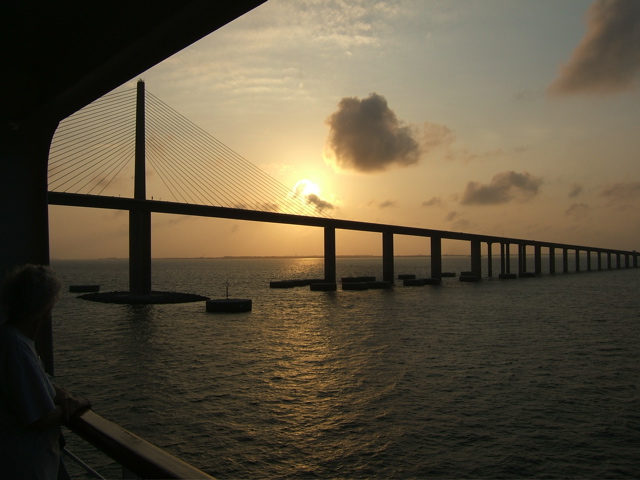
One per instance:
(497,117)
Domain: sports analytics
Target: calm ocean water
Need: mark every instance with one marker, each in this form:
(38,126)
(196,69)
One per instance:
(535,377)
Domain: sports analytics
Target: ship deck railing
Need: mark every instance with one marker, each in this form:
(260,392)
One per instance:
(138,457)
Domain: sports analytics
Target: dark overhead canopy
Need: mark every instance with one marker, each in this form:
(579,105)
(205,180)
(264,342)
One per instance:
(57,56)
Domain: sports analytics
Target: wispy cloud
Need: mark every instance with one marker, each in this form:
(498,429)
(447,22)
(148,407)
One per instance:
(607,60)
(388,204)
(578,211)
(432,202)
(503,187)
(576,190)
(365,135)
(621,192)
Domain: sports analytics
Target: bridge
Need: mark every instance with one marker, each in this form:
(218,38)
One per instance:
(213,181)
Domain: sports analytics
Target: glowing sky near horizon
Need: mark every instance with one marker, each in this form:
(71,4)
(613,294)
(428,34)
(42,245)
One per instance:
(494,117)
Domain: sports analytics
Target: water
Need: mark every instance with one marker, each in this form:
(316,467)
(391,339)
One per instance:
(533,377)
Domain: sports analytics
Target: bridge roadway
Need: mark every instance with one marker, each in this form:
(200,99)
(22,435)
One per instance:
(330,225)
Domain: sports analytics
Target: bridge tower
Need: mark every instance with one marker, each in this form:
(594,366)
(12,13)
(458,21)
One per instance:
(140,218)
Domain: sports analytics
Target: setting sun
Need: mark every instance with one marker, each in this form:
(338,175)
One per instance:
(305,187)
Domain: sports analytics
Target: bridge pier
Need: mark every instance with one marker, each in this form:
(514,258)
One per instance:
(599,260)
(436,257)
(588,260)
(139,220)
(522,258)
(476,258)
(489,260)
(577,259)
(565,260)
(538,259)
(330,254)
(552,260)
(387,257)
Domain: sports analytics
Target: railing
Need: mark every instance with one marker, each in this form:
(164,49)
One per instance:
(135,454)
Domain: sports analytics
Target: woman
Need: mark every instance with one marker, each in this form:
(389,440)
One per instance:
(32,408)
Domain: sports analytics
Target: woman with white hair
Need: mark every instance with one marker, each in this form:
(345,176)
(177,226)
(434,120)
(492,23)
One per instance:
(32,408)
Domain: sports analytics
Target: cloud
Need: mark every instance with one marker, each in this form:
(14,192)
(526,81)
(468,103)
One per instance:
(366,136)
(387,204)
(621,192)
(318,202)
(502,188)
(432,202)
(576,189)
(608,58)
(578,210)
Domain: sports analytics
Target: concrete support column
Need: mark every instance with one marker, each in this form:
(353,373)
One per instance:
(24,216)
(599,260)
(508,257)
(476,258)
(588,260)
(618,264)
(140,220)
(538,259)
(626,260)
(609,260)
(387,257)
(503,264)
(635,259)
(522,258)
(489,260)
(577,260)
(552,260)
(436,257)
(329,254)
(565,260)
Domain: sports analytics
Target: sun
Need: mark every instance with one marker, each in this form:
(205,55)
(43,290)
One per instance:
(305,187)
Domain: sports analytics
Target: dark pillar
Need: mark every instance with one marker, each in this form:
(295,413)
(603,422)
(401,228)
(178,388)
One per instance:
(503,264)
(24,211)
(538,259)
(489,260)
(618,264)
(626,260)
(522,258)
(635,259)
(476,258)
(599,260)
(577,260)
(140,220)
(387,257)
(329,254)
(507,250)
(436,257)
(609,260)
(588,260)
(552,260)
(565,260)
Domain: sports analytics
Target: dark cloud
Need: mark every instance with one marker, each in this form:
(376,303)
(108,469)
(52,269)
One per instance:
(578,210)
(366,135)
(621,192)
(318,202)
(432,202)
(608,58)
(576,190)
(387,204)
(502,188)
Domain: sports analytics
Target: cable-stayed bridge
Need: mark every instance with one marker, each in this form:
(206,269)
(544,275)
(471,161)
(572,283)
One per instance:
(96,152)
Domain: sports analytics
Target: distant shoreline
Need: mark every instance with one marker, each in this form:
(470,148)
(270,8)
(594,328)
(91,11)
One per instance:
(254,257)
